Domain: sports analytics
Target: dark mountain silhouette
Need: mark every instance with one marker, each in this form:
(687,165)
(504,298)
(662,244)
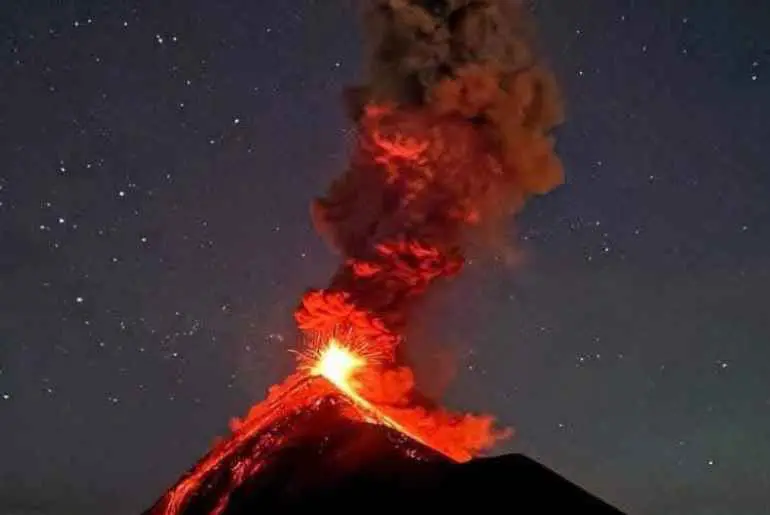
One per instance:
(319,460)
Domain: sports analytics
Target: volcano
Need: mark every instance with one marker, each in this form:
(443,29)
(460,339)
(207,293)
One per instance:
(320,458)
(453,134)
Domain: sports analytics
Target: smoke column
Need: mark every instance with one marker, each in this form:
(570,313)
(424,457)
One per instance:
(453,133)
(452,136)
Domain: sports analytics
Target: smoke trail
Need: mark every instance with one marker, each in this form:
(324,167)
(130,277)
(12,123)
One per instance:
(453,132)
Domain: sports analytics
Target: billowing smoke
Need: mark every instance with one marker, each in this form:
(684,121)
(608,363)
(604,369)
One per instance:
(452,136)
(453,133)
(474,59)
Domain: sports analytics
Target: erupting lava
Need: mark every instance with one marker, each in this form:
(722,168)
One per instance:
(339,364)
(453,134)
(336,366)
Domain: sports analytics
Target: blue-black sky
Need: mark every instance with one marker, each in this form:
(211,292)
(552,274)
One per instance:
(158,159)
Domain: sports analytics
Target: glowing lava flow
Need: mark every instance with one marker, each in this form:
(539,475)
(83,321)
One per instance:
(295,393)
(338,365)
(333,366)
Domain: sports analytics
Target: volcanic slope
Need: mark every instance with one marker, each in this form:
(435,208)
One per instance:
(321,458)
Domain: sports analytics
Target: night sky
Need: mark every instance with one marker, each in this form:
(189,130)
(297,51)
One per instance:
(158,160)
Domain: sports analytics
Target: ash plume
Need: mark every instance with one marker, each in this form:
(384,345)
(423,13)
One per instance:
(473,58)
(453,134)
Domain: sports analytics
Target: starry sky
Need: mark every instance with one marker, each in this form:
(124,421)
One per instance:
(158,160)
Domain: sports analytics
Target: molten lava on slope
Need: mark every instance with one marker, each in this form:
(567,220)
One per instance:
(290,452)
(319,458)
(324,397)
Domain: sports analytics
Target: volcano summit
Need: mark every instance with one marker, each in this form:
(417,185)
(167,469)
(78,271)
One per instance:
(319,459)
